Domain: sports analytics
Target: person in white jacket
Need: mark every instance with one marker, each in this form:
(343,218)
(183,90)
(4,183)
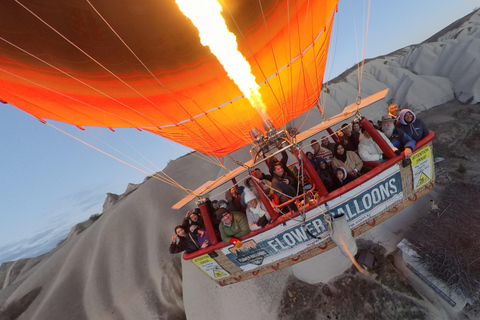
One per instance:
(368,149)
(257,214)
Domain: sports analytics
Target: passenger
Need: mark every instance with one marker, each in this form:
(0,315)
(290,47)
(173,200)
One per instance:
(393,111)
(353,137)
(349,160)
(186,241)
(233,200)
(327,144)
(326,174)
(311,158)
(240,191)
(222,204)
(197,227)
(233,225)
(195,220)
(342,177)
(265,184)
(257,214)
(399,139)
(357,127)
(215,205)
(284,185)
(263,176)
(368,149)
(283,162)
(321,152)
(408,122)
(346,143)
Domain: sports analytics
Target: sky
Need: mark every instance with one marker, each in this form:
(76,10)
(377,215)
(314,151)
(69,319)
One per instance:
(50,181)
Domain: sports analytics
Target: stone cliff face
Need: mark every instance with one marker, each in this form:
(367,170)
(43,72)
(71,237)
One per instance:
(10,271)
(445,67)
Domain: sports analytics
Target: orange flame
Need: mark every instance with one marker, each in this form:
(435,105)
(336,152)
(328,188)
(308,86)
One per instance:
(207,18)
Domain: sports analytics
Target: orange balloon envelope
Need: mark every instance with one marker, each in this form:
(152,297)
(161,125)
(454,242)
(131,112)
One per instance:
(140,63)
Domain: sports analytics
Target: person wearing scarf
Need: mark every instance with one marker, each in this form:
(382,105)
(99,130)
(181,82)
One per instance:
(413,127)
(349,160)
(257,214)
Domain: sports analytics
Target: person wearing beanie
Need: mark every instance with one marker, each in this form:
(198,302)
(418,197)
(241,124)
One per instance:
(257,214)
(233,225)
(413,127)
(215,204)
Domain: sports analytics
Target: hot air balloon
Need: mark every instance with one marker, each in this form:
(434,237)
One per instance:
(142,64)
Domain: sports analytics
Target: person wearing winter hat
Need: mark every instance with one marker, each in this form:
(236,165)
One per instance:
(257,214)
(413,127)
(233,225)
(215,204)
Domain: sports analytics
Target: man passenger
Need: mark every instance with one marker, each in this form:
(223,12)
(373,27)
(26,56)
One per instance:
(233,225)
(284,185)
(397,137)
(369,150)
(321,152)
(408,122)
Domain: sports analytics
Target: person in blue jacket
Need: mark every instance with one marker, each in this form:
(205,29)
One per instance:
(399,139)
(408,122)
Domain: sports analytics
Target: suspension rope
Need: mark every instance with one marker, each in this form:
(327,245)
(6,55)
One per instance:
(123,82)
(244,137)
(272,51)
(175,184)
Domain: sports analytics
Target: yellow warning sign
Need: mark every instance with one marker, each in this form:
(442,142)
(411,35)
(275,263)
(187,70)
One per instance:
(422,167)
(219,274)
(423,179)
(210,267)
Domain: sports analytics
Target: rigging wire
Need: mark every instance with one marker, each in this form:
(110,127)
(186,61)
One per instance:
(245,137)
(273,52)
(174,184)
(119,79)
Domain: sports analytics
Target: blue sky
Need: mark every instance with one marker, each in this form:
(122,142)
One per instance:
(50,181)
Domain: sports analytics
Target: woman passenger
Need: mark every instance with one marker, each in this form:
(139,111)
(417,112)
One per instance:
(326,174)
(349,160)
(257,214)
(357,127)
(183,240)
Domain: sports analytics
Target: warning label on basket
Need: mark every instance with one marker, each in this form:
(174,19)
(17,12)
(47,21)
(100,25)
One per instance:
(422,167)
(210,267)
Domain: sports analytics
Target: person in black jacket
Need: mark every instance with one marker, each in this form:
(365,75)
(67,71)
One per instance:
(183,240)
